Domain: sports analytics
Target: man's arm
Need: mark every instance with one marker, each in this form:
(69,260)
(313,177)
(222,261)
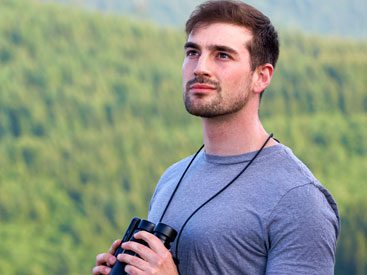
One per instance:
(303,230)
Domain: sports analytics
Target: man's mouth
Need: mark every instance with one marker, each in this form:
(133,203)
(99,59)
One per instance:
(200,86)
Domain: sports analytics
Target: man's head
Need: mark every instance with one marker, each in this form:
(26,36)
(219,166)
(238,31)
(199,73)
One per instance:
(263,48)
(230,54)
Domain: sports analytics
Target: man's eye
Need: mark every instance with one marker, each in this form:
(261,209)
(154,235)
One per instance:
(223,55)
(191,53)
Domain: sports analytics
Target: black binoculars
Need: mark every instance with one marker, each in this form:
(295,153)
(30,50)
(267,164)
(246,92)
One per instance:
(162,231)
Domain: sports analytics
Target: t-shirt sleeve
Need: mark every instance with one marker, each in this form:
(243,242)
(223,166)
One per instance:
(302,233)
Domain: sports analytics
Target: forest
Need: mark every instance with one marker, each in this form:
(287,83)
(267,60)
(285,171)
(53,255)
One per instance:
(344,18)
(91,115)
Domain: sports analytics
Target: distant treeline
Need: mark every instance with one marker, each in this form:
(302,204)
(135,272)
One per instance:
(91,114)
(328,17)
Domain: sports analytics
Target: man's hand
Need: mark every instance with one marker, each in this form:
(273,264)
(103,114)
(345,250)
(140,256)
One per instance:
(105,260)
(155,259)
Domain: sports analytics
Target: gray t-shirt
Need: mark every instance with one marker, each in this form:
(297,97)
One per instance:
(276,218)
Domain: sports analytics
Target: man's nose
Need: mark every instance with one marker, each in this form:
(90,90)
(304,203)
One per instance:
(202,66)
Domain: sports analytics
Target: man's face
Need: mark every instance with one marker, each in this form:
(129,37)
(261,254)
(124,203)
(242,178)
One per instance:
(216,71)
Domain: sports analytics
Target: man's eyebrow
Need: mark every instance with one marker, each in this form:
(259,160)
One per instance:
(218,48)
(222,48)
(191,45)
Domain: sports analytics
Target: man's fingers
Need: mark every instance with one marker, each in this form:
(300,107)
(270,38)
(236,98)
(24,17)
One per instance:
(105,259)
(114,246)
(154,243)
(130,269)
(133,261)
(143,251)
(97,270)
(154,258)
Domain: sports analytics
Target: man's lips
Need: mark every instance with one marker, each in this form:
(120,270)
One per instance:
(202,87)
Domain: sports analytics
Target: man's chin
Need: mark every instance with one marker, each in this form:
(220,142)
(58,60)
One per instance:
(202,112)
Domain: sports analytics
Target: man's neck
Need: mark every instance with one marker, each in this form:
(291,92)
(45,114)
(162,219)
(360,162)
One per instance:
(234,134)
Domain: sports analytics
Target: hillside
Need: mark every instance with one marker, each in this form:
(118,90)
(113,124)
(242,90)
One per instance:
(91,114)
(344,18)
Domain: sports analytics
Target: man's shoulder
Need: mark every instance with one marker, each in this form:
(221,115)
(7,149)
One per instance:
(177,167)
(171,175)
(284,171)
(287,169)
(167,183)
(294,185)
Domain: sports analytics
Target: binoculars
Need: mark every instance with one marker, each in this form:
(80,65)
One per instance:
(162,231)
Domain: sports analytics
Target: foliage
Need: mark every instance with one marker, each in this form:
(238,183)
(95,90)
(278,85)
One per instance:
(91,115)
(328,17)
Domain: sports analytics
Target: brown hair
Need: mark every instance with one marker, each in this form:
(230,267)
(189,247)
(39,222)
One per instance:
(263,48)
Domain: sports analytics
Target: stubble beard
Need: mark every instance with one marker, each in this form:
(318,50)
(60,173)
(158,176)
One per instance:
(216,105)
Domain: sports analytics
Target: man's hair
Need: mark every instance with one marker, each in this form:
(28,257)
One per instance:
(263,47)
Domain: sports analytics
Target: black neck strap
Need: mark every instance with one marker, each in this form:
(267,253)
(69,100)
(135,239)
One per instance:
(212,197)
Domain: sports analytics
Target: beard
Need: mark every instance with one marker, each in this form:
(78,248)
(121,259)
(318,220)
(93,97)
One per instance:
(216,105)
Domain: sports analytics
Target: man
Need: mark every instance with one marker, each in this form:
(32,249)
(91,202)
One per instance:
(244,204)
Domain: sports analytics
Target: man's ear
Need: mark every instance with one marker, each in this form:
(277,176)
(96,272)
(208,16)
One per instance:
(262,77)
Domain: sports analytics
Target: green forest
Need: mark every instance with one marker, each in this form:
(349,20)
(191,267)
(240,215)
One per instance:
(327,17)
(91,115)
